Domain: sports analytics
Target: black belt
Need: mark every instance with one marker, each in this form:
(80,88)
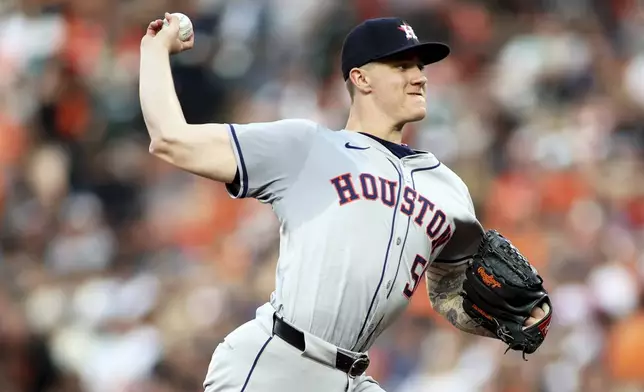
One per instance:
(353,365)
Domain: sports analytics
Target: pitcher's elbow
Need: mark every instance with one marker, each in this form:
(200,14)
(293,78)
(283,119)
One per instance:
(160,147)
(156,146)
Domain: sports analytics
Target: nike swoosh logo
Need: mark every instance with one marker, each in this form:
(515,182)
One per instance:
(348,145)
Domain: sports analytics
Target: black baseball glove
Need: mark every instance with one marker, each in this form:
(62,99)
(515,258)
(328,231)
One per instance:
(501,290)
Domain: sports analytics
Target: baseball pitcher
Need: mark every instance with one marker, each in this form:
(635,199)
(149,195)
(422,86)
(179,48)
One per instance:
(363,219)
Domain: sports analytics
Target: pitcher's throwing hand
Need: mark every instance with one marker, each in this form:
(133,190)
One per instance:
(167,37)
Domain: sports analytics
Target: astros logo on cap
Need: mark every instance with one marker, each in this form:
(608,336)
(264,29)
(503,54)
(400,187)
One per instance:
(409,32)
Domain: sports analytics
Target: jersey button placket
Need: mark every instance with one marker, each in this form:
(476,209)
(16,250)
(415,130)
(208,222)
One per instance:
(399,229)
(406,174)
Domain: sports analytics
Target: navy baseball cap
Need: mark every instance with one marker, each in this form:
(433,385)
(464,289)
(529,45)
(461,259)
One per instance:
(380,38)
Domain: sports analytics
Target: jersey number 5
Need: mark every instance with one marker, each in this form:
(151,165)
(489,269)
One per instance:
(417,269)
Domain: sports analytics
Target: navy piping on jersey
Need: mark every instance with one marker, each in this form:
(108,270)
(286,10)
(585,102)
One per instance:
(242,164)
(423,169)
(371,334)
(259,354)
(384,265)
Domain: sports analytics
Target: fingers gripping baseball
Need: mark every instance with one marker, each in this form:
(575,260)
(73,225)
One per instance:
(537,314)
(154,27)
(174,33)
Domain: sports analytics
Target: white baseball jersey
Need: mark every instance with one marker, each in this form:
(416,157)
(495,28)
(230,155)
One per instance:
(358,225)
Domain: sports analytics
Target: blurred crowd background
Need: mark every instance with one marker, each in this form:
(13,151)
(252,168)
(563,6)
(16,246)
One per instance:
(118,273)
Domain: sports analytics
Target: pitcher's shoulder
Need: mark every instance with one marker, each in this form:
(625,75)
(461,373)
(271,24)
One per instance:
(454,178)
(312,128)
(300,124)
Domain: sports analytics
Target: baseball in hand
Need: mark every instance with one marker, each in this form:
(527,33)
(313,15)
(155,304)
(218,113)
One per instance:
(185,26)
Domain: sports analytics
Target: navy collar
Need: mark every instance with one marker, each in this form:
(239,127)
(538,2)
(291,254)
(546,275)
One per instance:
(399,150)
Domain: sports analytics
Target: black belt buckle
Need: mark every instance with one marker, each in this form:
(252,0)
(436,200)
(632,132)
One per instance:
(359,366)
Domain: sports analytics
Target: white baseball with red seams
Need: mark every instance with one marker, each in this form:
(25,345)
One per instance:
(185,26)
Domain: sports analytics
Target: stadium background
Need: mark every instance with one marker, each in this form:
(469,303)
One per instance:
(119,273)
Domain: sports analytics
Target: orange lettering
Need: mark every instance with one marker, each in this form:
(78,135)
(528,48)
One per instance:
(488,279)
(487,316)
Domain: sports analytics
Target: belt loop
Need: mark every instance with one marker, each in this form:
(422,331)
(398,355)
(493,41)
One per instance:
(349,383)
(359,366)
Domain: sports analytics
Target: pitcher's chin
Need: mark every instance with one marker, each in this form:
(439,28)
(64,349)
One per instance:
(417,114)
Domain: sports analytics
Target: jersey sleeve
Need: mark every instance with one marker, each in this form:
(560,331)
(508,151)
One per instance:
(269,156)
(467,234)
(470,201)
